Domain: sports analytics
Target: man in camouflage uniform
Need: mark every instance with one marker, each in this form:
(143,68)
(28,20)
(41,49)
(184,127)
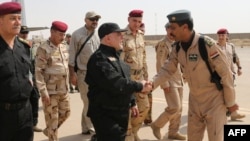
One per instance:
(51,70)
(173,90)
(134,54)
(207,105)
(233,58)
(148,118)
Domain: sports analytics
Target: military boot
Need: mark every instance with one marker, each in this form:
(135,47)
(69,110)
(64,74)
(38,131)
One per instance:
(45,132)
(37,129)
(156,131)
(237,116)
(137,137)
(177,136)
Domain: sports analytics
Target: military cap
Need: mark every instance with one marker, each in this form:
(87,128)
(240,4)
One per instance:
(10,8)
(135,13)
(222,31)
(92,14)
(108,28)
(68,35)
(24,29)
(167,25)
(179,15)
(60,26)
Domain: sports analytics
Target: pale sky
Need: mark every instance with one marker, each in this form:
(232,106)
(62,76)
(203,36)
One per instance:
(208,15)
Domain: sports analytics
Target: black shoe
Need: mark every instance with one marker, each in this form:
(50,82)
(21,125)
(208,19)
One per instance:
(76,88)
(71,91)
(93,138)
(86,133)
(37,129)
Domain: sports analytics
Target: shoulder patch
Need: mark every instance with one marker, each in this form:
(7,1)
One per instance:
(209,41)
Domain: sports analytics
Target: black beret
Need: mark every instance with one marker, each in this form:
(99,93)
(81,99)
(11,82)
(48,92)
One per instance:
(60,26)
(24,29)
(10,8)
(179,15)
(108,28)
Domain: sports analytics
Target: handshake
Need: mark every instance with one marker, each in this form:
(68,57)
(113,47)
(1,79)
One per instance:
(147,86)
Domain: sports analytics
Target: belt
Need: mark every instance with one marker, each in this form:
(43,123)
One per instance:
(13,106)
(135,72)
(111,108)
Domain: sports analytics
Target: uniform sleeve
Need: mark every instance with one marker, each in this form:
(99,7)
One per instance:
(160,59)
(72,50)
(167,70)
(219,62)
(40,66)
(145,67)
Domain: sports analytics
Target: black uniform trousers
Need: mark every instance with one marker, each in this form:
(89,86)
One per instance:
(16,125)
(34,101)
(111,125)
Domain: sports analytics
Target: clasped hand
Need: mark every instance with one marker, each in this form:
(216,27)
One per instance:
(147,86)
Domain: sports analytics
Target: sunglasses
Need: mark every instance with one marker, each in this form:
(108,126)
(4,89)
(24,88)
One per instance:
(94,19)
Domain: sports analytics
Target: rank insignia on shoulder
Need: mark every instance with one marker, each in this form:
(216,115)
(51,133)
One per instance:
(24,41)
(209,41)
(112,58)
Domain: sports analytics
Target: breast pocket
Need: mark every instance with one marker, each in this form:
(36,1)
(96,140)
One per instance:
(5,69)
(26,63)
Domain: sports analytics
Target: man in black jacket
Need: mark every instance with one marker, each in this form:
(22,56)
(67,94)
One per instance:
(15,86)
(110,88)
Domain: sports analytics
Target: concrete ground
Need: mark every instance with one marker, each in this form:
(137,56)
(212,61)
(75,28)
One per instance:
(71,129)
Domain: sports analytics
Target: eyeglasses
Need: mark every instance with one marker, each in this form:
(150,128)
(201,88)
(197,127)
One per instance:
(94,19)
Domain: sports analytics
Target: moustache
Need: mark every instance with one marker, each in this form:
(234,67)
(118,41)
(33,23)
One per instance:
(172,35)
(17,27)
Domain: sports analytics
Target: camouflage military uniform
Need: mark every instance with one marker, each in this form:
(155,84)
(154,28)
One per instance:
(207,105)
(134,55)
(174,96)
(51,71)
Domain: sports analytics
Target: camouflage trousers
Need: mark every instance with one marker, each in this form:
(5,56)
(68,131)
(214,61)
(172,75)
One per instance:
(149,115)
(55,114)
(135,123)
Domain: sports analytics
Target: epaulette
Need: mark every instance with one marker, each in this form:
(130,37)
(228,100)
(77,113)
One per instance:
(26,42)
(141,32)
(64,43)
(209,41)
(44,44)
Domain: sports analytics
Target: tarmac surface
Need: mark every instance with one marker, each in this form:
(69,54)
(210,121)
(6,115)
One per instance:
(71,129)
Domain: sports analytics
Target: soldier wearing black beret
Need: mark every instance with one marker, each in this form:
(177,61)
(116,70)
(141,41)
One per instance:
(208,105)
(15,85)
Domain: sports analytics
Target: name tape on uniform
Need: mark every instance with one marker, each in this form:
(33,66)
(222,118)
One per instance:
(239,132)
